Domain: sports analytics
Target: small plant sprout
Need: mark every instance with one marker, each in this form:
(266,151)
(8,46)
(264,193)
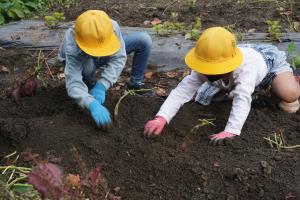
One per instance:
(274,29)
(190,32)
(191,3)
(241,2)
(167,28)
(286,9)
(13,179)
(278,141)
(230,28)
(174,15)
(203,122)
(193,32)
(126,93)
(293,57)
(61,3)
(240,36)
(53,21)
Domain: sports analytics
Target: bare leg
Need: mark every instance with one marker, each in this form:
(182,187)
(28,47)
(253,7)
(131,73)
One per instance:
(287,88)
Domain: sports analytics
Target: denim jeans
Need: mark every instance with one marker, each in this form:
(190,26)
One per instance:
(140,44)
(275,61)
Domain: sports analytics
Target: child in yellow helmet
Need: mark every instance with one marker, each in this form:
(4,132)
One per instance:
(96,42)
(217,63)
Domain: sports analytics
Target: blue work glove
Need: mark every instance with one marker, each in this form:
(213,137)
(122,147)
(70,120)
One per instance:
(98,92)
(100,114)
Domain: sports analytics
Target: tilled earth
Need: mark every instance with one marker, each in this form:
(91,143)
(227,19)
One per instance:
(177,165)
(241,15)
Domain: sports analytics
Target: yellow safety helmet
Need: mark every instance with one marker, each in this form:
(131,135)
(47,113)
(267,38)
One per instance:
(94,34)
(216,52)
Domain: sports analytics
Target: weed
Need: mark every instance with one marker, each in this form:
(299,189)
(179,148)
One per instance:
(289,21)
(167,28)
(293,57)
(48,4)
(47,181)
(43,64)
(241,2)
(284,5)
(203,122)
(274,29)
(279,142)
(193,32)
(38,68)
(27,86)
(53,21)
(191,3)
(126,93)
(240,36)
(50,181)
(13,179)
(286,10)
(230,28)
(174,15)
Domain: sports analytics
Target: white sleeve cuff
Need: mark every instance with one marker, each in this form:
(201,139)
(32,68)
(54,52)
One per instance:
(161,114)
(232,130)
(87,101)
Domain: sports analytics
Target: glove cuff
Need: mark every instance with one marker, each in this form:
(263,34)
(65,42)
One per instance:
(100,86)
(92,104)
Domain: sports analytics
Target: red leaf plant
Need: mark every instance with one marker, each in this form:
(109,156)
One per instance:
(24,88)
(49,181)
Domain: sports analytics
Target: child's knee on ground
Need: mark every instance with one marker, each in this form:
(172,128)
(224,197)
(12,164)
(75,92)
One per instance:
(286,87)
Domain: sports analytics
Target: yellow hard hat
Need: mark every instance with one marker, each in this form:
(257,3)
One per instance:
(94,34)
(216,52)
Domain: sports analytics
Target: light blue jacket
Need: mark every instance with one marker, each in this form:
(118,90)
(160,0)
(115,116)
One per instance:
(76,60)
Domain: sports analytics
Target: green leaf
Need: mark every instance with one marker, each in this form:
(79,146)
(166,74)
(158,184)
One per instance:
(291,47)
(58,14)
(49,18)
(18,12)
(22,188)
(11,14)
(25,10)
(296,61)
(2,19)
(188,36)
(3,178)
(31,5)
(6,5)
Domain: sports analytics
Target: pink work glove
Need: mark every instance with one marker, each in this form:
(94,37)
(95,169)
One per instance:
(220,138)
(155,126)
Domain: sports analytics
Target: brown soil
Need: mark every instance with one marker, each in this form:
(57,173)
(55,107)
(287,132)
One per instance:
(177,165)
(245,16)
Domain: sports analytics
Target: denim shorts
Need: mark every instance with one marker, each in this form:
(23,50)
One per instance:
(275,60)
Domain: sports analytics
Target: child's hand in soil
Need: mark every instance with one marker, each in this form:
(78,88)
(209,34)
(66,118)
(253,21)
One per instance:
(220,138)
(155,126)
(98,92)
(100,114)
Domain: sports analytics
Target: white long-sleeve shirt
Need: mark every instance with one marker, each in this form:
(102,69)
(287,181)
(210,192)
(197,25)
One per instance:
(244,80)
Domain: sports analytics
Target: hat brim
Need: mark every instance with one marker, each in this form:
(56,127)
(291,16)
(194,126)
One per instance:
(210,68)
(108,49)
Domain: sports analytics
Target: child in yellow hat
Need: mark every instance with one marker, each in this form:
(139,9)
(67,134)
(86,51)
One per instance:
(217,63)
(96,42)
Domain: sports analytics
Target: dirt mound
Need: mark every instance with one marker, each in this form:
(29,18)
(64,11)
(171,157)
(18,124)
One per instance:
(178,165)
